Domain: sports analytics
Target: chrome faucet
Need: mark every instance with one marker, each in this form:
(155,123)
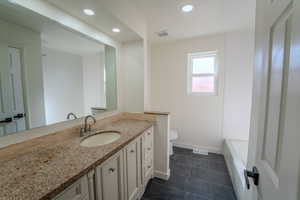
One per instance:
(86,127)
(70,115)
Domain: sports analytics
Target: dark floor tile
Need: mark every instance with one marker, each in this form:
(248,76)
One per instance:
(201,173)
(177,195)
(216,157)
(200,162)
(211,176)
(193,177)
(157,190)
(199,187)
(176,181)
(192,196)
(222,192)
(153,198)
(180,159)
(182,151)
(217,166)
(181,170)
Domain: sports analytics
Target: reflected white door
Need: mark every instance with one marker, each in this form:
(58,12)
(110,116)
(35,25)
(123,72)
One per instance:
(12,114)
(5,104)
(275,121)
(15,78)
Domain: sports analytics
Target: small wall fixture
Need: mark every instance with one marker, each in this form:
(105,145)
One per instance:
(187,8)
(89,12)
(116,30)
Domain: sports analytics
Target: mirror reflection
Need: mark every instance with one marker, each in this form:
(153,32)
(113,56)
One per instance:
(50,74)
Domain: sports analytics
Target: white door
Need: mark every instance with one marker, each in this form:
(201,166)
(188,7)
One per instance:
(5,104)
(274,137)
(15,78)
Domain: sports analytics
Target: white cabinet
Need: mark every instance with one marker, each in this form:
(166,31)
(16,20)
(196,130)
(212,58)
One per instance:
(109,179)
(82,189)
(147,149)
(133,169)
(123,176)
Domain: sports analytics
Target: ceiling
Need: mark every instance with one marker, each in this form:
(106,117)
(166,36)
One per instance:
(208,17)
(58,38)
(53,35)
(103,20)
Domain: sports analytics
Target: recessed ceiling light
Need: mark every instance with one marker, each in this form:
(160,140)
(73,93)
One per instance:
(89,12)
(116,30)
(187,8)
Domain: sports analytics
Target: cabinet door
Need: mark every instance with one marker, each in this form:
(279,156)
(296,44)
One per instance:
(109,179)
(77,191)
(133,169)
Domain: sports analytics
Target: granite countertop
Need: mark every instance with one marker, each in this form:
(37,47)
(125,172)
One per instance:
(43,167)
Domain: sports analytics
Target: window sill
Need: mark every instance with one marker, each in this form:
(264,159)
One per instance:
(202,94)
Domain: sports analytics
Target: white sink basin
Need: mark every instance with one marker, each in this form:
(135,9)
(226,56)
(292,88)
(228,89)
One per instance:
(100,138)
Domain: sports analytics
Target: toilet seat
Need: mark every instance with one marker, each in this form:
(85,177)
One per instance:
(173,135)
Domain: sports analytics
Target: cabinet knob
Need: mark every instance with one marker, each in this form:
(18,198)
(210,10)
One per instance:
(148,133)
(149,166)
(131,151)
(111,170)
(149,148)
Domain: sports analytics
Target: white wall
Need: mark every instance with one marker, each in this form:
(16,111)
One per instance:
(93,81)
(132,70)
(63,84)
(125,11)
(147,75)
(198,119)
(204,121)
(30,44)
(239,56)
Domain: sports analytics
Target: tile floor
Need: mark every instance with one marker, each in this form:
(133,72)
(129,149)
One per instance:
(193,177)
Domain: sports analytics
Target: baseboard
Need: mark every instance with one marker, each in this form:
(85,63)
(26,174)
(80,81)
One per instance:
(162,175)
(189,146)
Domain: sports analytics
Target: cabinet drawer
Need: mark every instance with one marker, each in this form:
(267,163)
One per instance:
(148,164)
(149,138)
(148,153)
(148,168)
(77,191)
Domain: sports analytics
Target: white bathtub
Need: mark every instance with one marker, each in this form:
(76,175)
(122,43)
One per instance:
(235,153)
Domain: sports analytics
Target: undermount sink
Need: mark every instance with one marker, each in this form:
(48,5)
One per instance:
(100,138)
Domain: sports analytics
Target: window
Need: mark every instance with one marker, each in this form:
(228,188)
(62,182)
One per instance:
(202,73)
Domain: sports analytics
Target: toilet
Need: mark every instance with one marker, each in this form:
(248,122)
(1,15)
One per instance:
(173,137)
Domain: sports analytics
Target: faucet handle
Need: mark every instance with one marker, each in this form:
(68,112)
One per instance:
(89,127)
(82,131)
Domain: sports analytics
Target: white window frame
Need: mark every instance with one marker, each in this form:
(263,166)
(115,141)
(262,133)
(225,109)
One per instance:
(190,74)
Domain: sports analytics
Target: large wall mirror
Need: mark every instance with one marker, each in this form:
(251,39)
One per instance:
(50,74)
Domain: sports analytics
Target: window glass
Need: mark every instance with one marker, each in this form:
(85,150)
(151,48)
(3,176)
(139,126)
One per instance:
(203,84)
(205,65)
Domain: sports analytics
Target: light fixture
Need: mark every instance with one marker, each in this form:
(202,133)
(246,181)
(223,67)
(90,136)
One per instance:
(116,30)
(89,12)
(187,8)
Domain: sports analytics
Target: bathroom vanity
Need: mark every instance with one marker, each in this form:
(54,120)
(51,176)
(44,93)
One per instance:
(58,167)
(122,176)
